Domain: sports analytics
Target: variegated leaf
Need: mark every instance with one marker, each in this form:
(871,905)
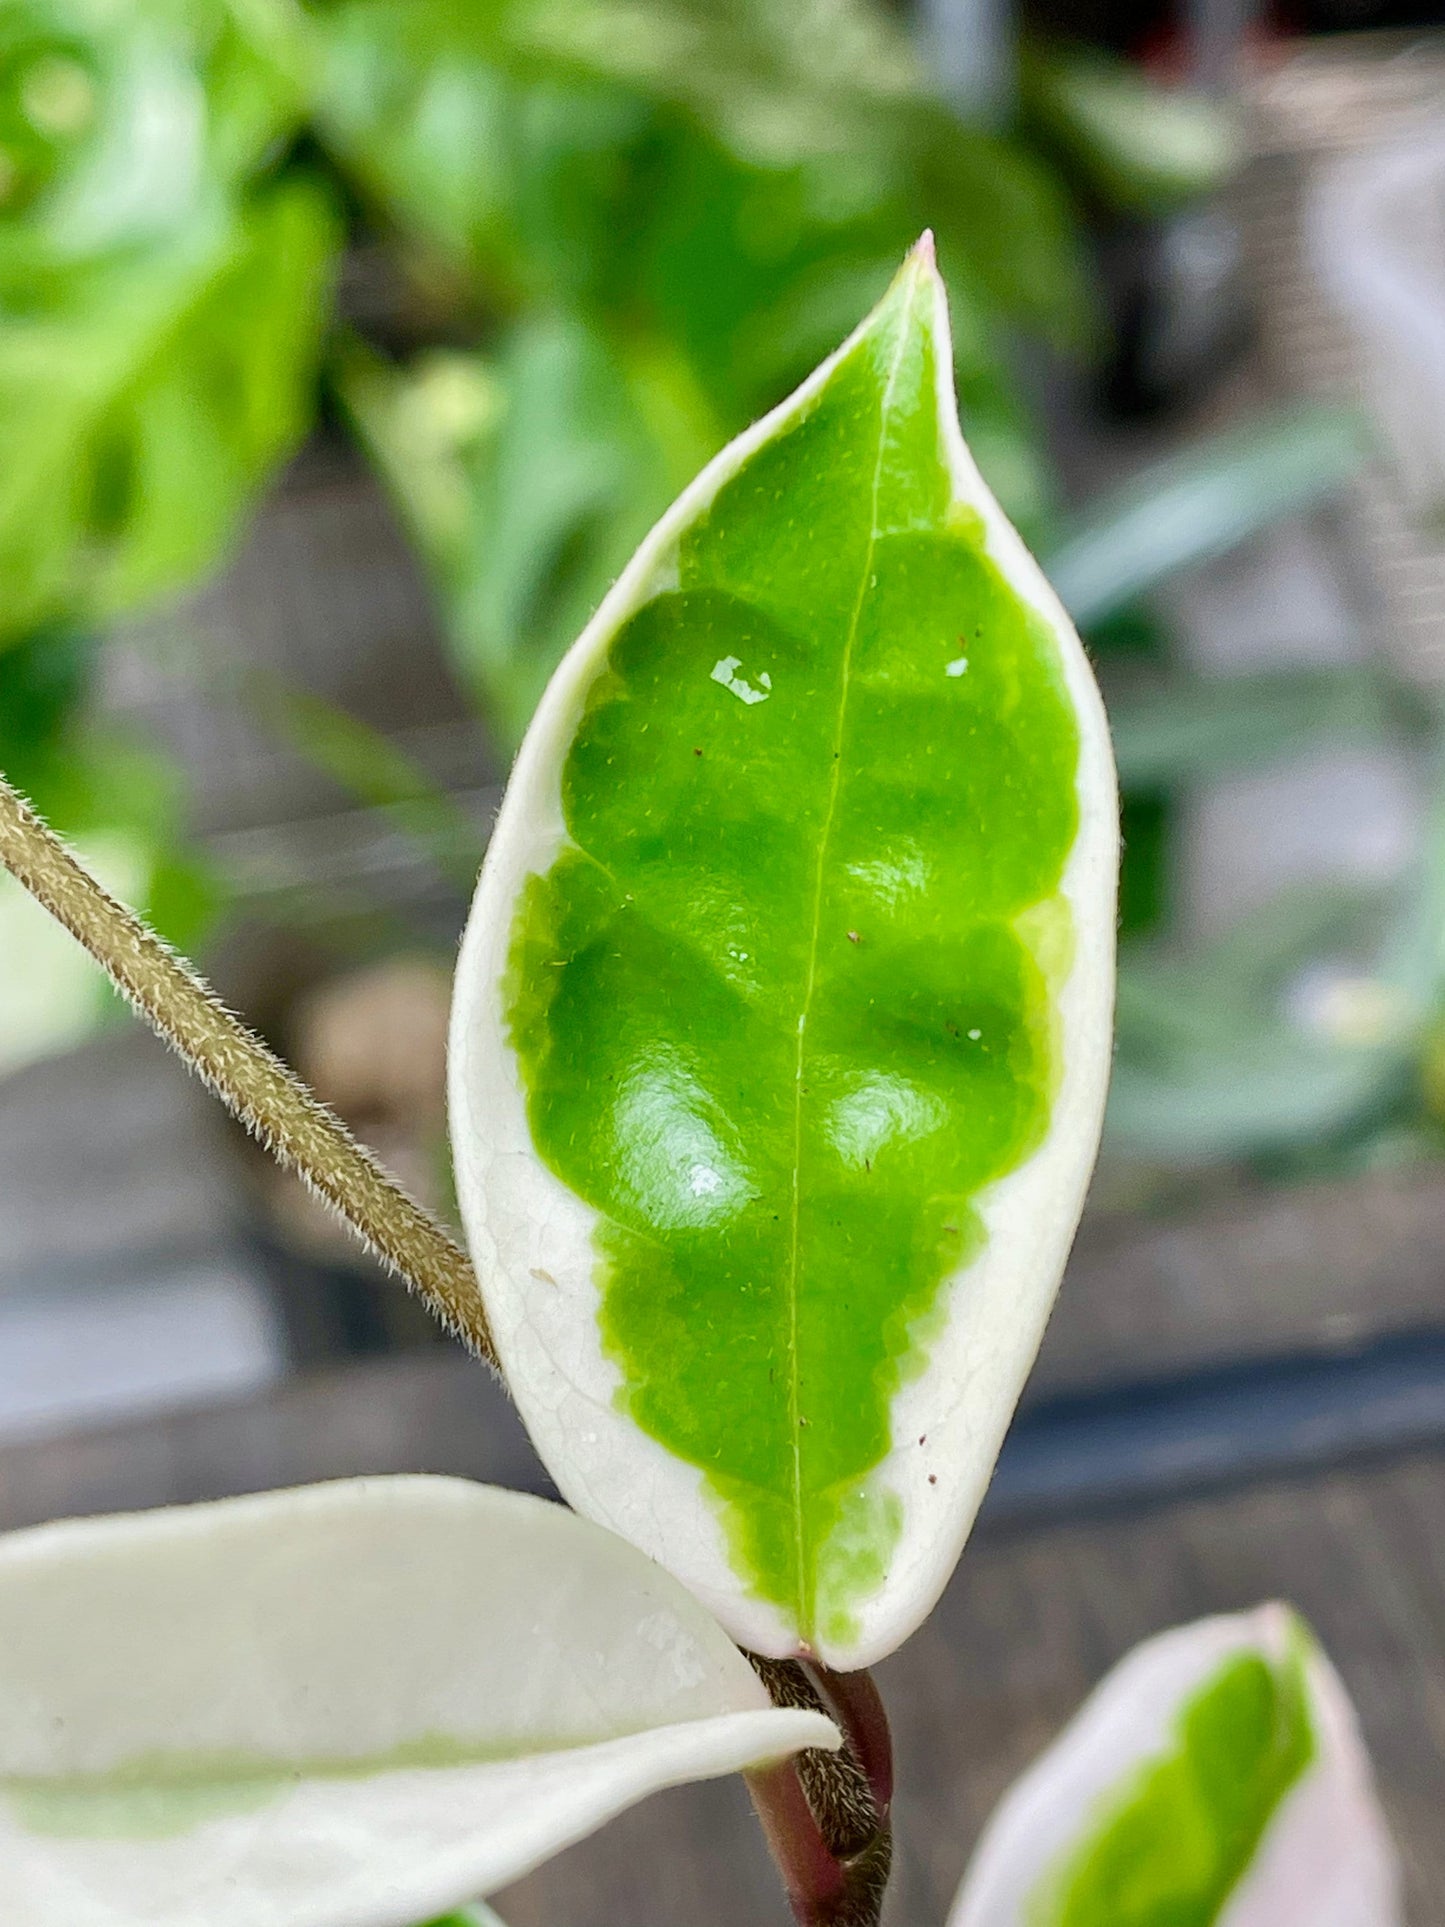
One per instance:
(782,1023)
(353,1705)
(1215,1779)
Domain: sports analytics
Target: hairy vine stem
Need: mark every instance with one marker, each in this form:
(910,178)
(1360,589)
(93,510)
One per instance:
(826,1815)
(253,1083)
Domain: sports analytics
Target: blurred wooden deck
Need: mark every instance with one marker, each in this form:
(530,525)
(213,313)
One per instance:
(1034,1616)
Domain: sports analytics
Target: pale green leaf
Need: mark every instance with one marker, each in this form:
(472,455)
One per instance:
(52,995)
(1179,729)
(1216,1776)
(352,1705)
(1201,503)
(1217,1054)
(119,125)
(528,481)
(782,1021)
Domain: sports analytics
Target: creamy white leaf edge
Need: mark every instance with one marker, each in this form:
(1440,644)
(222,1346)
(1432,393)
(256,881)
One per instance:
(531,1237)
(340,1623)
(1326,1859)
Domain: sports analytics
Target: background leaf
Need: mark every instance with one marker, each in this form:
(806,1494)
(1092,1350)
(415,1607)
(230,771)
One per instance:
(1200,504)
(1216,1773)
(370,767)
(1177,729)
(142,410)
(1138,143)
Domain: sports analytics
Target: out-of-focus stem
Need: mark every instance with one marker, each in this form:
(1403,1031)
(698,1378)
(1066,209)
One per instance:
(270,1100)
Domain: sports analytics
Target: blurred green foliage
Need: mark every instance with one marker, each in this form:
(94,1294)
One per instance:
(163,292)
(163,299)
(635,223)
(1138,146)
(588,241)
(669,212)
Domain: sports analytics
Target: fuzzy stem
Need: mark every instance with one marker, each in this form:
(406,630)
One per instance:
(270,1100)
(816,1881)
(828,1833)
(855,1702)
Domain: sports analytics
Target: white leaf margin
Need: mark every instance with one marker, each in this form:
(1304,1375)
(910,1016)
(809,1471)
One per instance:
(532,1238)
(343,1631)
(1326,1858)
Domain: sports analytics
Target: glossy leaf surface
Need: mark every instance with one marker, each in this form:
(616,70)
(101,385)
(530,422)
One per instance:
(782,1023)
(353,1705)
(1216,1776)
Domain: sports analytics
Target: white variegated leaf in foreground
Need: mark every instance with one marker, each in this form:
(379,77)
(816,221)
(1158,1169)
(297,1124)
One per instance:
(1217,1775)
(353,1705)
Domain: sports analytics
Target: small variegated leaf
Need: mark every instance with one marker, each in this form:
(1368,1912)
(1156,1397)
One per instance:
(1215,1779)
(782,1022)
(353,1705)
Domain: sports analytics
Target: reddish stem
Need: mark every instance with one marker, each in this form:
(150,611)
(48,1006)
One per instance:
(855,1702)
(817,1883)
(825,1814)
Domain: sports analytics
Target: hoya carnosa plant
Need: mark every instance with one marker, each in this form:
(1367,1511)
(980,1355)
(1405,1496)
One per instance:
(1216,1778)
(782,1022)
(780,1047)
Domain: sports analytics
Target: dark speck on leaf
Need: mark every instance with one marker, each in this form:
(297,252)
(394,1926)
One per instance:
(933,1478)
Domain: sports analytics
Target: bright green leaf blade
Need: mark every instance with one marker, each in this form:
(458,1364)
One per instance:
(1216,1776)
(781,1027)
(357,1703)
(1200,504)
(475,1916)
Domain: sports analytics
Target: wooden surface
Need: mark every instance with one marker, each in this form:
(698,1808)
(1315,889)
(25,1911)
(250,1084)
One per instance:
(1254,1273)
(1030,1622)
(112,1163)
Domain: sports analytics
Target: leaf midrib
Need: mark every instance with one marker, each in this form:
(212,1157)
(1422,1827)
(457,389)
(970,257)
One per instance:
(807,1600)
